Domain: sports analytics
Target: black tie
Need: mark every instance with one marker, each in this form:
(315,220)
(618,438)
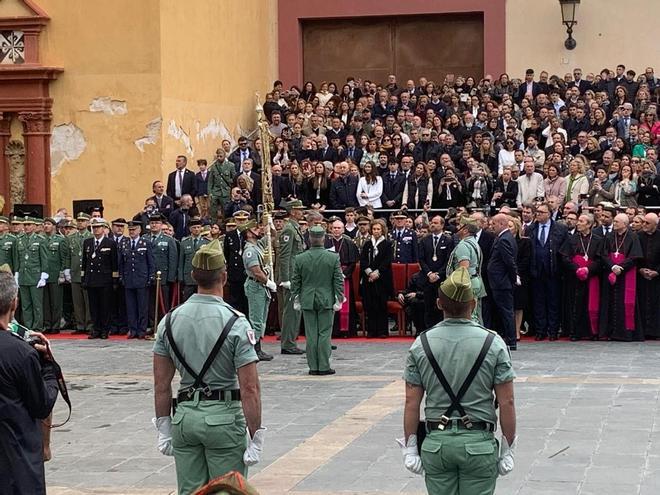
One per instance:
(96,245)
(133,245)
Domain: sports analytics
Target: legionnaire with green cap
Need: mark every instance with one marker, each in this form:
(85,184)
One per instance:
(187,249)
(8,251)
(458,364)
(291,243)
(53,292)
(258,284)
(219,391)
(31,274)
(317,288)
(72,273)
(467,254)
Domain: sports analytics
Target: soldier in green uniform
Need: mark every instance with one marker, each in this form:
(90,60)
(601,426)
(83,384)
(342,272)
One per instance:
(216,401)
(166,260)
(72,273)
(458,364)
(317,288)
(221,179)
(17,226)
(31,274)
(291,244)
(467,254)
(8,251)
(258,284)
(188,248)
(53,293)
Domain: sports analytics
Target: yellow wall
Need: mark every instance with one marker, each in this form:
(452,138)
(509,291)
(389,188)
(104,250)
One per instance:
(608,32)
(214,57)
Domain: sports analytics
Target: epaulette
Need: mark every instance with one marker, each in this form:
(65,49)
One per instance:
(234,310)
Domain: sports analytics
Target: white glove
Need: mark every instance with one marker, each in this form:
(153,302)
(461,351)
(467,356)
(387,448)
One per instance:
(337,305)
(411,459)
(255,446)
(61,279)
(286,285)
(42,280)
(67,275)
(16,277)
(270,285)
(296,304)
(271,224)
(164,427)
(505,462)
(518,281)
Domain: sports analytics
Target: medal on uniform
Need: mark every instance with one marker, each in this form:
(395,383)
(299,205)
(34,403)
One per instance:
(586,258)
(435,258)
(27,256)
(93,255)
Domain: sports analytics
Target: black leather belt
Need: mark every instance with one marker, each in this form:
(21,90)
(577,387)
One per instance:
(476,425)
(211,395)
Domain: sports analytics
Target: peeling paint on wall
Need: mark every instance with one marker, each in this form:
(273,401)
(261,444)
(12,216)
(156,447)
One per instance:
(153,132)
(177,132)
(215,129)
(67,143)
(243,132)
(108,106)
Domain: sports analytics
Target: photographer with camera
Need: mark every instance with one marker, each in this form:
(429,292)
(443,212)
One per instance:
(28,390)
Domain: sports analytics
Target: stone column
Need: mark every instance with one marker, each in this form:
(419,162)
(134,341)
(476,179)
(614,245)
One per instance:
(5,135)
(36,137)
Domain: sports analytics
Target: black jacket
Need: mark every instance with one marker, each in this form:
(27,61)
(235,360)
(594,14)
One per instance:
(165,205)
(343,192)
(188,185)
(502,268)
(100,264)
(393,189)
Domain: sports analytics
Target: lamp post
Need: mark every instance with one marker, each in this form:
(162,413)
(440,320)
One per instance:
(568,12)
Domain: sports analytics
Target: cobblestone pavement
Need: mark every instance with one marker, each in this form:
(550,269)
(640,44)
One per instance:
(587,414)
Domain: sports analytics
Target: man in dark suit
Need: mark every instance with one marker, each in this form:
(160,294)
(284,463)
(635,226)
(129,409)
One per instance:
(503,276)
(581,84)
(247,168)
(393,185)
(242,153)
(351,152)
(99,273)
(181,181)
(485,240)
(528,86)
(505,190)
(434,251)
(343,189)
(180,218)
(624,120)
(164,203)
(546,238)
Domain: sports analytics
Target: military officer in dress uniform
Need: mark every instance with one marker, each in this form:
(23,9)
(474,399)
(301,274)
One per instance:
(467,254)
(100,274)
(8,251)
(31,274)
(53,292)
(363,234)
(187,249)
(403,239)
(72,273)
(166,260)
(233,250)
(317,288)
(291,245)
(458,364)
(118,322)
(219,392)
(258,283)
(137,269)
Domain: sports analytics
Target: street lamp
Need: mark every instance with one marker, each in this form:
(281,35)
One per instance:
(568,11)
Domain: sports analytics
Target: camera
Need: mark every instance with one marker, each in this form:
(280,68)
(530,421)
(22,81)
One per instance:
(34,340)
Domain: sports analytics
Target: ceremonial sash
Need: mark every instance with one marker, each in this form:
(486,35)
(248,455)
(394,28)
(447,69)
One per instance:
(594,293)
(629,286)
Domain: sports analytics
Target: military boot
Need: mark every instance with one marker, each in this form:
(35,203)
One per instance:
(261,354)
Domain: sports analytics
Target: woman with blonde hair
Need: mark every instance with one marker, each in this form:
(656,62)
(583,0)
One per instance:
(625,189)
(577,187)
(376,279)
(523,264)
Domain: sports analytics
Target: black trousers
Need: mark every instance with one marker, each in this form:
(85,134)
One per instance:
(546,299)
(432,315)
(118,320)
(502,304)
(100,307)
(237,297)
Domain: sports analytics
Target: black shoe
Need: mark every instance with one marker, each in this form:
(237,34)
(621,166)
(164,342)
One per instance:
(513,347)
(93,336)
(333,347)
(104,336)
(295,350)
(326,372)
(553,337)
(574,338)
(131,336)
(263,356)
(313,372)
(539,337)
(594,337)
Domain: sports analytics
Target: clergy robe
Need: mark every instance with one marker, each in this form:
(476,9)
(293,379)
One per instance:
(617,303)
(648,290)
(581,289)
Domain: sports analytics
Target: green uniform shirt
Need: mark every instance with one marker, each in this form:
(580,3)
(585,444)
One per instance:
(166,258)
(56,247)
(221,178)
(8,252)
(196,326)
(455,344)
(254,255)
(188,248)
(468,249)
(73,254)
(291,243)
(32,258)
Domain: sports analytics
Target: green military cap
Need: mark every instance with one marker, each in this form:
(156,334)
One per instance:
(250,224)
(50,220)
(29,220)
(4,219)
(279,214)
(458,286)
(67,224)
(38,221)
(16,220)
(294,204)
(83,216)
(465,220)
(209,257)
(317,231)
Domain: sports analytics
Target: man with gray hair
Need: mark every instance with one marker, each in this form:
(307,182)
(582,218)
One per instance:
(648,282)
(28,390)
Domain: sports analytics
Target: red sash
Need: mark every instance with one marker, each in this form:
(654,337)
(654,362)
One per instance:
(629,286)
(345,308)
(594,293)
